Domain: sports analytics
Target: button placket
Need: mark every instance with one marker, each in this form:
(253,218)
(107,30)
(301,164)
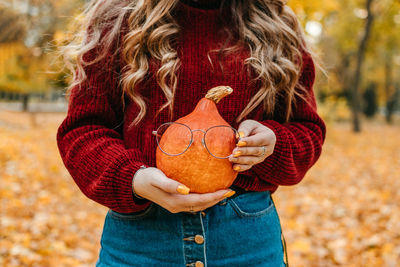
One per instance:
(193,230)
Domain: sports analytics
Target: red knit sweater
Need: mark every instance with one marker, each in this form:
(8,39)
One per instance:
(102,154)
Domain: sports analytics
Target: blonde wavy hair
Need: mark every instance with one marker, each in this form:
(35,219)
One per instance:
(268,28)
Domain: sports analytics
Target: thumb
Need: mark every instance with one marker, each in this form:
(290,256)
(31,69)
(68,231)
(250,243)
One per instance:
(245,128)
(169,185)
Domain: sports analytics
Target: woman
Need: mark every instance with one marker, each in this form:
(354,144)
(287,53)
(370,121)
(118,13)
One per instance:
(143,63)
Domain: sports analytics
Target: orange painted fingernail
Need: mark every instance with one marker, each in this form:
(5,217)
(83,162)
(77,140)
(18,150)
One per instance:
(241,134)
(237,154)
(184,190)
(236,168)
(229,194)
(242,143)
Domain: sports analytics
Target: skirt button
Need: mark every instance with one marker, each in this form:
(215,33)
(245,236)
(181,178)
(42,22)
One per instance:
(199,239)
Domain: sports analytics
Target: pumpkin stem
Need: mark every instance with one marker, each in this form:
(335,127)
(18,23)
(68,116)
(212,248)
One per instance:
(217,93)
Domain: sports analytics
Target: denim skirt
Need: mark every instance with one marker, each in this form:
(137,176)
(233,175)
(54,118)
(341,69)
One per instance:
(243,230)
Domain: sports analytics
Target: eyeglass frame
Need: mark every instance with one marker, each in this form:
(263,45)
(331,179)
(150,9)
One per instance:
(191,138)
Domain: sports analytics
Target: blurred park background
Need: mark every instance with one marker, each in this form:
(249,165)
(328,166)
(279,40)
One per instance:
(344,213)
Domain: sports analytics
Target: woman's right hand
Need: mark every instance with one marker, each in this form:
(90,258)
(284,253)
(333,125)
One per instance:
(151,183)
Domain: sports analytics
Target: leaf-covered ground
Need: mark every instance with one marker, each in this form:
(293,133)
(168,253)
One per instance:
(345,212)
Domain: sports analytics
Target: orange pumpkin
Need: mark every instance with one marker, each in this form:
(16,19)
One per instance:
(196,167)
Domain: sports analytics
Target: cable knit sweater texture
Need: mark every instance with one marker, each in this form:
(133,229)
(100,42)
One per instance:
(102,154)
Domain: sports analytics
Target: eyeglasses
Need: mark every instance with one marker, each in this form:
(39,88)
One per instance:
(183,139)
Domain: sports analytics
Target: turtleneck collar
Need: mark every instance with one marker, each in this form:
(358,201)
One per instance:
(203,4)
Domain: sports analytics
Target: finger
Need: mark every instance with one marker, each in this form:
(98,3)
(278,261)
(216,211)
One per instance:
(241,167)
(246,160)
(200,200)
(257,151)
(245,128)
(169,185)
(259,139)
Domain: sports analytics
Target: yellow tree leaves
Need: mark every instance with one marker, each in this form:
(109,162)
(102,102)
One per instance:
(310,10)
(19,69)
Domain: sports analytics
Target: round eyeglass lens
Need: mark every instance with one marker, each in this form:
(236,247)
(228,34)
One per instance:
(176,141)
(220,141)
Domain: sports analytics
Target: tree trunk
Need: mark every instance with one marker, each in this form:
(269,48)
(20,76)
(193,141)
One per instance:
(357,77)
(345,77)
(25,101)
(392,103)
(389,86)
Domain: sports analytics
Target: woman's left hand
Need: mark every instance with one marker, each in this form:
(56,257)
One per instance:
(256,143)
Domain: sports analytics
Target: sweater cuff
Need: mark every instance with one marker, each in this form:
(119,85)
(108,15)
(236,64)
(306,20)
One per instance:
(127,202)
(137,199)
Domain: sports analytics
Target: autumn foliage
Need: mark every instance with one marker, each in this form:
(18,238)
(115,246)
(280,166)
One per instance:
(344,213)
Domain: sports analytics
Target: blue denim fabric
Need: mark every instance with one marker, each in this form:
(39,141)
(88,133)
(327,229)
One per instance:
(240,231)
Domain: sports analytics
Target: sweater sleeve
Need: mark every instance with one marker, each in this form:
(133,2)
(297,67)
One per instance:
(298,142)
(90,139)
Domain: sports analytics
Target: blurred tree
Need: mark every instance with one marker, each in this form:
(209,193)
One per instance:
(342,31)
(360,60)
(332,26)
(30,28)
(370,100)
(392,104)
(387,40)
(12,29)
